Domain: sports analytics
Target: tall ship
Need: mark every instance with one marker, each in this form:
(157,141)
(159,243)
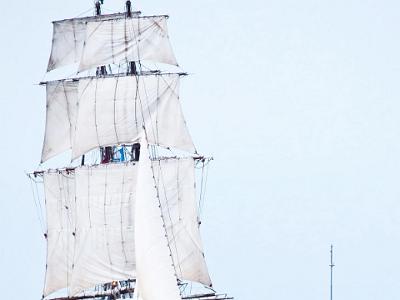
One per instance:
(122,219)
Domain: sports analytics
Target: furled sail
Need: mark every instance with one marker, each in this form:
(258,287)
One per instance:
(101,40)
(99,221)
(113,110)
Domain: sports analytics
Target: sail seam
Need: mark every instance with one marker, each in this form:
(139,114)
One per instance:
(105,219)
(122,222)
(95,115)
(115,112)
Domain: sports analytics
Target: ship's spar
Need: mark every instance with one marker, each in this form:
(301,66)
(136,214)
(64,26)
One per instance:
(128,221)
(209,296)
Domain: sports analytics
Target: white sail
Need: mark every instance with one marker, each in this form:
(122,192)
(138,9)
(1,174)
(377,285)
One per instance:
(90,217)
(123,40)
(61,114)
(156,277)
(95,235)
(175,180)
(61,222)
(101,40)
(68,39)
(113,110)
(105,225)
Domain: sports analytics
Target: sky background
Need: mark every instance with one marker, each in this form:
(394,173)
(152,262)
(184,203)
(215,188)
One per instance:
(297,101)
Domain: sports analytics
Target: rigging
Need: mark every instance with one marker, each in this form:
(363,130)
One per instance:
(93,213)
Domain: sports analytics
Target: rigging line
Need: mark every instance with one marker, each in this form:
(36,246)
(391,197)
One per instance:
(158,102)
(105,218)
(205,184)
(72,211)
(180,202)
(121,214)
(137,40)
(38,212)
(148,109)
(95,114)
(161,175)
(60,209)
(85,12)
(126,43)
(162,217)
(88,200)
(75,41)
(158,196)
(48,255)
(115,104)
(154,130)
(67,199)
(100,23)
(75,230)
(201,187)
(115,110)
(169,84)
(201,204)
(67,210)
(136,37)
(68,113)
(112,41)
(165,224)
(174,93)
(136,104)
(40,203)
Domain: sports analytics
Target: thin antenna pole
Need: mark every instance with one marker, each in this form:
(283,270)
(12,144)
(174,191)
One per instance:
(331,265)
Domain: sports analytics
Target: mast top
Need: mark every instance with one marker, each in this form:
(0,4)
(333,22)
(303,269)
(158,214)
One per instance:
(128,8)
(98,7)
(128,5)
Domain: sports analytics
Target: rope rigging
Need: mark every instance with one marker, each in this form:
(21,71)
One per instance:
(166,199)
(204,166)
(37,202)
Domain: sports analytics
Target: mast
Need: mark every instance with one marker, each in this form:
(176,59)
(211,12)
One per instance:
(98,8)
(131,65)
(100,70)
(331,266)
(128,9)
(105,152)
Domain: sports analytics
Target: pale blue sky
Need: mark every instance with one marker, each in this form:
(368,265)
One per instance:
(298,101)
